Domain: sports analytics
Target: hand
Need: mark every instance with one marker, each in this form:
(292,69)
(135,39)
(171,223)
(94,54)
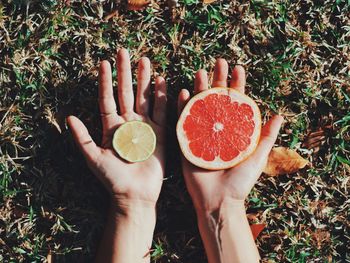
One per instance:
(209,189)
(127,182)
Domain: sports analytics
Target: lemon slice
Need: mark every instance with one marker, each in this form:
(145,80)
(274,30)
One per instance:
(134,141)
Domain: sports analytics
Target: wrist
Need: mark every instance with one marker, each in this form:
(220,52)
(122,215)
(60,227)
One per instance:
(219,210)
(133,210)
(129,232)
(226,233)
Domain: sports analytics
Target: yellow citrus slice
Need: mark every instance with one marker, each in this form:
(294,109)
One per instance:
(134,141)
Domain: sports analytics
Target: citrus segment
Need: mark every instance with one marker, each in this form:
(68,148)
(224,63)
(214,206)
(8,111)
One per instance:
(134,141)
(219,128)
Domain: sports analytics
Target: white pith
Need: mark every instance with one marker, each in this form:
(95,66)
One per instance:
(218,126)
(218,164)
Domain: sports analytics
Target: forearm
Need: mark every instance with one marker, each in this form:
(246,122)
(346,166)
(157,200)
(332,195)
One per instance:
(226,234)
(128,234)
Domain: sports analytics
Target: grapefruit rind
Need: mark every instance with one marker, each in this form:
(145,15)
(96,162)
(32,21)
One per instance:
(134,130)
(219,164)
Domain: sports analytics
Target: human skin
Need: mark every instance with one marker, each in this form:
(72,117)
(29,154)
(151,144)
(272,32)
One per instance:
(134,187)
(218,196)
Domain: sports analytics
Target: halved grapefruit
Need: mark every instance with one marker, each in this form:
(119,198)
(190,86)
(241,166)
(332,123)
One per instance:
(219,128)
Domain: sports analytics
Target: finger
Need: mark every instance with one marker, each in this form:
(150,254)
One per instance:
(238,78)
(108,108)
(200,81)
(82,137)
(125,92)
(268,137)
(160,99)
(182,100)
(143,86)
(220,73)
(257,161)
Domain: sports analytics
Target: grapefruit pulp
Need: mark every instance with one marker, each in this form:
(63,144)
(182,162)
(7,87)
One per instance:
(219,128)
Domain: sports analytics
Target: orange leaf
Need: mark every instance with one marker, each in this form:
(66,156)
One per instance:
(208,1)
(137,4)
(284,161)
(256,229)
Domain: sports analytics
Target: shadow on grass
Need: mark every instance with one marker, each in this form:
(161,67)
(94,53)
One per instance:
(70,204)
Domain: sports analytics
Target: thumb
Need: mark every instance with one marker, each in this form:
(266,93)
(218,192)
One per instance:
(268,136)
(83,139)
(258,159)
(255,164)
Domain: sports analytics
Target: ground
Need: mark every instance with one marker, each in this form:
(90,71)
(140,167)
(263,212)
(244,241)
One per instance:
(297,55)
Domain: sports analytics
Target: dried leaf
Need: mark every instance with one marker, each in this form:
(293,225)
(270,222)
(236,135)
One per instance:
(111,15)
(208,1)
(137,4)
(50,116)
(321,237)
(283,161)
(315,140)
(256,229)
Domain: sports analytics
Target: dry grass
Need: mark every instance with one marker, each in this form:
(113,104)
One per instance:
(297,54)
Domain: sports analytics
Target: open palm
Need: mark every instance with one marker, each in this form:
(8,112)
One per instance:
(209,189)
(140,181)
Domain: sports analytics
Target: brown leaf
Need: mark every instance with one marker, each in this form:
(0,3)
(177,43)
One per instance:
(256,229)
(321,237)
(137,4)
(111,15)
(314,140)
(208,1)
(283,161)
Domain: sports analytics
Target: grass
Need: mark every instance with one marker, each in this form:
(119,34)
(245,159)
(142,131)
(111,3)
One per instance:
(296,54)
